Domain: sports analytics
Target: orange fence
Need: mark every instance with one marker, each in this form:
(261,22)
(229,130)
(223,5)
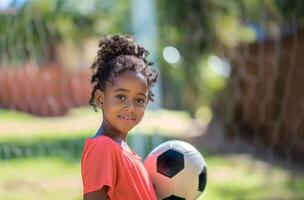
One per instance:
(46,91)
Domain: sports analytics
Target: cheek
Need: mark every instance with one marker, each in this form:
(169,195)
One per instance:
(141,112)
(113,104)
(111,108)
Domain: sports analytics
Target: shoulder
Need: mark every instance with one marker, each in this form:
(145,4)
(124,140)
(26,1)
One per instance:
(104,140)
(100,150)
(101,144)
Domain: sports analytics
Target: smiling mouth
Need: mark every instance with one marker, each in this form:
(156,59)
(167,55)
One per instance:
(126,118)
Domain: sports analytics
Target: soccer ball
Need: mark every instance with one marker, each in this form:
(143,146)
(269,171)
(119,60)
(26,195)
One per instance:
(178,171)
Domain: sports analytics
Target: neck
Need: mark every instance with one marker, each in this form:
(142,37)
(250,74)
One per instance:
(107,130)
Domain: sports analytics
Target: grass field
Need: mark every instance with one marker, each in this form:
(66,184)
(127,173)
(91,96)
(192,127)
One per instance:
(81,121)
(27,173)
(39,178)
(228,178)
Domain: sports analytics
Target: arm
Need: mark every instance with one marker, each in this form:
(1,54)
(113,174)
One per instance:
(97,195)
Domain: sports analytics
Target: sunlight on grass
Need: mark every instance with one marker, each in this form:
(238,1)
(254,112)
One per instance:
(8,115)
(229,177)
(164,122)
(240,177)
(40,178)
(83,122)
(76,121)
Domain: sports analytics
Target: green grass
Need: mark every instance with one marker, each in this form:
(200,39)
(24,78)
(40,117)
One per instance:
(83,122)
(55,174)
(8,115)
(40,178)
(240,177)
(229,178)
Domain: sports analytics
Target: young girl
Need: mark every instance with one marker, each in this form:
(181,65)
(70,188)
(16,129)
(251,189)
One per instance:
(122,80)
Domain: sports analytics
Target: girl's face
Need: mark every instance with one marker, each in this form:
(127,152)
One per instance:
(124,101)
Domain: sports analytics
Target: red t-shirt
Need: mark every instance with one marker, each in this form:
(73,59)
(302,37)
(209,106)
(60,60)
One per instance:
(107,163)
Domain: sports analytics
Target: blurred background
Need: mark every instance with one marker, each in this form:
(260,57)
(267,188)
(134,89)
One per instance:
(232,79)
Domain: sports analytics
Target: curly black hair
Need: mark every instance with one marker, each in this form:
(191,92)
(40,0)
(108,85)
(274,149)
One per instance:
(117,54)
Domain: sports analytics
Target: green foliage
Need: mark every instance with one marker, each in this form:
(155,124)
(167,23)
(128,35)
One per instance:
(197,28)
(291,11)
(34,30)
(212,83)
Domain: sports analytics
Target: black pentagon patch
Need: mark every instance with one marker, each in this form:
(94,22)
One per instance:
(170,163)
(172,197)
(202,180)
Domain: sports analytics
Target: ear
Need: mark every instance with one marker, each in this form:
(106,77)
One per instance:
(99,98)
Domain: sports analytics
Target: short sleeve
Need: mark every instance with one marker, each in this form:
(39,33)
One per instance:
(99,167)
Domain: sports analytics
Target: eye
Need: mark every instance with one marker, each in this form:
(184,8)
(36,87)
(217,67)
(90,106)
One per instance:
(120,97)
(140,101)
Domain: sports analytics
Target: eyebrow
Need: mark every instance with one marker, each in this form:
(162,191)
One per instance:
(125,90)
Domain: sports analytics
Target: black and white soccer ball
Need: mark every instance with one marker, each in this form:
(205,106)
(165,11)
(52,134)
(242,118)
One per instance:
(178,171)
